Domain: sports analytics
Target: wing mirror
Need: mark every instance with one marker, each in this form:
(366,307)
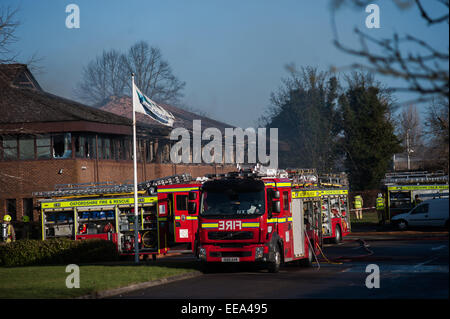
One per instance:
(276,207)
(192,195)
(276,194)
(192,208)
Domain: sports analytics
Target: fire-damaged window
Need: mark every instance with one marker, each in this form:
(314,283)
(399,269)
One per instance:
(80,146)
(62,146)
(165,153)
(106,148)
(149,151)
(125,149)
(91,149)
(85,147)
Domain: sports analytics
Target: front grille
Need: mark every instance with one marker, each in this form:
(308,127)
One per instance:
(230,254)
(237,235)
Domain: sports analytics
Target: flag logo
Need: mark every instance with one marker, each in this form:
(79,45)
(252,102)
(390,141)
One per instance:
(144,105)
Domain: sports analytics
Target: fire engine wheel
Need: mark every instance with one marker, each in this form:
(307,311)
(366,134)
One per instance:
(338,235)
(274,265)
(307,262)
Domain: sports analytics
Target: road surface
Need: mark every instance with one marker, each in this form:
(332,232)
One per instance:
(415,269)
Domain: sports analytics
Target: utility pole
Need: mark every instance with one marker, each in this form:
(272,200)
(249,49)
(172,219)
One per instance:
(407,148)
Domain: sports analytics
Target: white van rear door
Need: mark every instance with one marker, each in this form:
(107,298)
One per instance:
(438,213)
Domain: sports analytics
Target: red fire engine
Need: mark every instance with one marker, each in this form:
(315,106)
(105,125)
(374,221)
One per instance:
(105,211)
(254,217)
(333,192)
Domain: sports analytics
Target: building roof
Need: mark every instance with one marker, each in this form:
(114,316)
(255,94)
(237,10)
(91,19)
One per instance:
(183,118)
(23,101)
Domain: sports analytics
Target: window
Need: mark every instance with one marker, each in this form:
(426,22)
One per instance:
(285,200)
(9,148)
(62,146)
(80,146)
(91,148)
(124,149)
(11,208)
(421,209)
(26,148)
(182,202)
(149,153)
(106,147)
(43,147)
(28,207)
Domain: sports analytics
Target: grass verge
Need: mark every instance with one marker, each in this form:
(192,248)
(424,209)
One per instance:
(49,282)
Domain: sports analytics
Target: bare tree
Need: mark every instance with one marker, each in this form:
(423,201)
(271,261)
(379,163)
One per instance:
(110,75)
(153,75)
(102,78)
(423,67)
(437,129)
(410,130)
(8,26)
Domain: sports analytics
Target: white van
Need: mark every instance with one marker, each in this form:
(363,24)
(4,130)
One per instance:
(432,212)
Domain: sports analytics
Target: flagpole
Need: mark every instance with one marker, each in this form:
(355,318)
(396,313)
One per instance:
(136,205)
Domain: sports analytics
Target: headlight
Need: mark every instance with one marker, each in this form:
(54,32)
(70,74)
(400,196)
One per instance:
(259,252)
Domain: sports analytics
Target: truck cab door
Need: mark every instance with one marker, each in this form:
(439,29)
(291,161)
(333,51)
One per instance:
(184,223)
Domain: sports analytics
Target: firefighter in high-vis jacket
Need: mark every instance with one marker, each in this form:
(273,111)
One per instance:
(380,209)
(8,233)
(358,203)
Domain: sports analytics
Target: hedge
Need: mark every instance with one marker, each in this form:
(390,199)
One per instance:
(56,251)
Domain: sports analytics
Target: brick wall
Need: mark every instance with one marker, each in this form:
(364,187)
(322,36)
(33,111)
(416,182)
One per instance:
(20,179)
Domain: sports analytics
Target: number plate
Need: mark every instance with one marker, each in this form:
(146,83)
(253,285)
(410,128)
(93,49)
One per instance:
(230,259)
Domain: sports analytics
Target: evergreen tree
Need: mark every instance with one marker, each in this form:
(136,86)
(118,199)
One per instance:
(368,139)
(304,112)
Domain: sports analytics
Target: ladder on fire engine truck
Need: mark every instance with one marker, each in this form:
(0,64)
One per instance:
(111,188)
(333,180)
(305,177)
(423,177)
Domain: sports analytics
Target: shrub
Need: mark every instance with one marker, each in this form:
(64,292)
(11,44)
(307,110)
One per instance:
(56,251)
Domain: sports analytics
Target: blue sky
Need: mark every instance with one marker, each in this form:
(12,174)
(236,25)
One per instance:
(231,54)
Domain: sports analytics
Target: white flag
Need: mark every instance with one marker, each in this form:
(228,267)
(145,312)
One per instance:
(144,105)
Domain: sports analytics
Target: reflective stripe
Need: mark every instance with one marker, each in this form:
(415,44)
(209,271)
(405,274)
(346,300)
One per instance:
(302,194)
(380,203)
(210,225)
(250,225)
(279,220)
(278,184)
(334,192)
(187,217)
(180,189)
(416,187)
